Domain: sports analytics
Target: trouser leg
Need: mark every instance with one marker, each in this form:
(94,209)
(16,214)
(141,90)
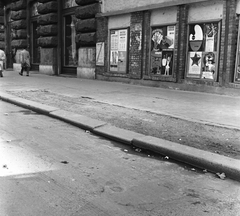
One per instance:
(28,71)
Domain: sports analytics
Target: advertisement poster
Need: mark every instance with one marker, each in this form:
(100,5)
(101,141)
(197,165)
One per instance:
(100,54)
(162,44)
(118,52)
(208,65)
(167,63)
(122,41)
(194,66)
(211,31)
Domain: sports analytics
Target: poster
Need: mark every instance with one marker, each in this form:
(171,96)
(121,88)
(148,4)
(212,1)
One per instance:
(211,30)
(100,53)
(208,65)
(122,41)
(162,44)
(194,66)
(118,52)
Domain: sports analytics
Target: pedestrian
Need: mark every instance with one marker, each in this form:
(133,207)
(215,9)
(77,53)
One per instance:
(2,59)
(25,61)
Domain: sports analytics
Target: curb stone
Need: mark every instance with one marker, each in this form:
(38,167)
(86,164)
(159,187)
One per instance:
(189,155)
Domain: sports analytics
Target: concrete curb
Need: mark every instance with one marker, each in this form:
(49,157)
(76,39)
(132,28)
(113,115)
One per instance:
(189,155)
(37,107)
(202,159)
(80,121)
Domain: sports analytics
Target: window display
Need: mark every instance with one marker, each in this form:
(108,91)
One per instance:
(162,47)
(237,67)
(202,51)
(118,50)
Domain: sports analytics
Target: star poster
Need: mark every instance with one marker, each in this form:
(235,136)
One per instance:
(194,65)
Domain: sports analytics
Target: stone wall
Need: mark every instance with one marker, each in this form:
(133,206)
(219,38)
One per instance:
(2,31)
(47,20)
(86,24)
(19,24)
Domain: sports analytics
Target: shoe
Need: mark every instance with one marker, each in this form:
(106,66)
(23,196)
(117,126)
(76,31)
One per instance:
(20,74)
(27,75)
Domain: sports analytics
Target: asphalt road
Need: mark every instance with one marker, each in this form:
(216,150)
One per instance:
(48,167)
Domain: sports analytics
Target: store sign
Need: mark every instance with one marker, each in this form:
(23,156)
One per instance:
(118,50)
(162,47)
(202,51)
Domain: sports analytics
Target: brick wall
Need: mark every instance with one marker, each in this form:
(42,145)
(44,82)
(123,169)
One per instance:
(102,36)
(181,43)
(135,50)
(228,43)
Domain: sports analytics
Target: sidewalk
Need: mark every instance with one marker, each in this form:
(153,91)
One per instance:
(209,109)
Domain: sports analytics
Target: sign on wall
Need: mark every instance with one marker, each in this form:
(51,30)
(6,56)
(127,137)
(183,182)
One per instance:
(162,47)
(118,50)
(202,51)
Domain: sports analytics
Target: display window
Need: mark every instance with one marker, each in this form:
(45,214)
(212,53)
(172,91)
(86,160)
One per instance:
(118,50)
(237,67)
(162,50)
(203,40)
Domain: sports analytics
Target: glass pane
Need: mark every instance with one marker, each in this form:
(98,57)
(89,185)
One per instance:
(35,47)
(70,51)
(69,3)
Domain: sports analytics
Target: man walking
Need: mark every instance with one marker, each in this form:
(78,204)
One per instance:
(25,61)
(2,59)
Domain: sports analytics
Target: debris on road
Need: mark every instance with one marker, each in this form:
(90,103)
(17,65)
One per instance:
(166,157)
(221,175)
(138,150)
(125,150)
(5,166)
(64,162)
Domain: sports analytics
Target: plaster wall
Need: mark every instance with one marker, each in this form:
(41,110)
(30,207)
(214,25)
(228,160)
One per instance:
(164,16)
(120,21)
(212,10)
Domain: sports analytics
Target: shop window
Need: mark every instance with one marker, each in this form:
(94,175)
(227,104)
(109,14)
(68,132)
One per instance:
(237,68)
(203,40)
(162,50)
(70,50)
(118,50)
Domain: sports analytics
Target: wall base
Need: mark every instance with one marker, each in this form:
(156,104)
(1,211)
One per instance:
(46,69)
(86,73)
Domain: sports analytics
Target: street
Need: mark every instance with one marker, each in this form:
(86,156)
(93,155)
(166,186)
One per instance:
(50,168)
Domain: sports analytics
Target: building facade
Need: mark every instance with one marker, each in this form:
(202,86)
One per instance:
(61,35)
(184,44)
